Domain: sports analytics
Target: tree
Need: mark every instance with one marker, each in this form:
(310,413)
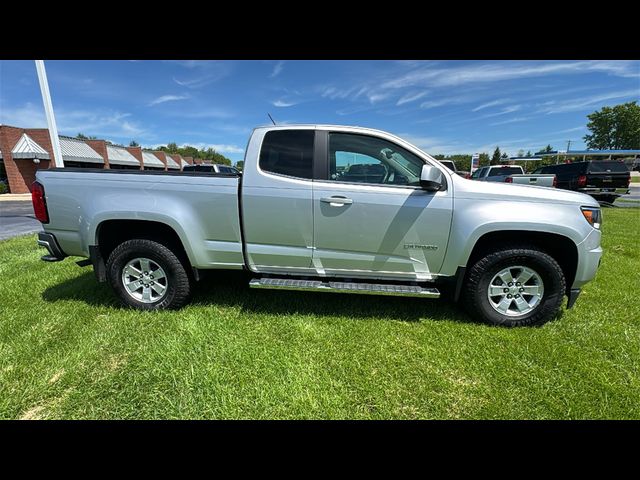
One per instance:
(484,160)
(240,164)
(520,153)
(133,143)
(528,153)
(504,156)
(615,128)
(81,136)
(172,147)
(495,159)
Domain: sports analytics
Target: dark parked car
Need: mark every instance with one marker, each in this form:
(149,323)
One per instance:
(211,168)
(603,180)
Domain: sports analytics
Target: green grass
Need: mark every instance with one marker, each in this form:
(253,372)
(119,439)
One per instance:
(635,179)
(67,350)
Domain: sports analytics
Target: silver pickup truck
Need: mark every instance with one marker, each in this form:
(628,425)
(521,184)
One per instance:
(513,174)
(327,209)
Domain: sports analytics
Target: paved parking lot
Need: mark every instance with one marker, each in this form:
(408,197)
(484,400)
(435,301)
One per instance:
(17,218)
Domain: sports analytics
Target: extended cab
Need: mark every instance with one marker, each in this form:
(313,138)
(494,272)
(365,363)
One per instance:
(327,209)
(513,174)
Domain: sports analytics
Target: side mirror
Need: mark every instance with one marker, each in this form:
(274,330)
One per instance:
(431,178)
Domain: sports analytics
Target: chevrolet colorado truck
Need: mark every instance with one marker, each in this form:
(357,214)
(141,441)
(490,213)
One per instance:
(326,209)
(513,174)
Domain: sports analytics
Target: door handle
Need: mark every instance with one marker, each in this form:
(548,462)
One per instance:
(337,201)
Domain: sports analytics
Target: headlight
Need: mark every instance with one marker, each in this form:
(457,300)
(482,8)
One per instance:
(593,216)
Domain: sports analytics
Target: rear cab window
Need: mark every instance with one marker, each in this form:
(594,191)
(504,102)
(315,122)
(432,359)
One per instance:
(607,167)
(497,171)
(288,152)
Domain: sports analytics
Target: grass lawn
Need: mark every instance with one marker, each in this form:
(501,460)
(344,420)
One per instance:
(635,179)
(67,350)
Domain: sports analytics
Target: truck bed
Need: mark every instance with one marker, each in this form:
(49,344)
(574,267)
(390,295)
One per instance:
(202,208)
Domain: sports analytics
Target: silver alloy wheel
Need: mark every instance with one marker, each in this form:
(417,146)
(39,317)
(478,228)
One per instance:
(144,280)
(515,291)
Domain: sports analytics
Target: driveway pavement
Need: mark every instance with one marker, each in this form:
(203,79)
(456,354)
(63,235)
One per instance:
(17,218)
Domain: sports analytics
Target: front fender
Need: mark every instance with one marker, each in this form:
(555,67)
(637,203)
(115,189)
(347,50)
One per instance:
(473,218)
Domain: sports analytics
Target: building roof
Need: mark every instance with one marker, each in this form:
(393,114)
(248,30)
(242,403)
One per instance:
(28,148)
(150,160)
(121,156)
(171,163)
(604,153)
(74,150)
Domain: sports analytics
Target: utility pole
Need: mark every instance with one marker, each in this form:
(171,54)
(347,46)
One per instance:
(568,145)
(48,110)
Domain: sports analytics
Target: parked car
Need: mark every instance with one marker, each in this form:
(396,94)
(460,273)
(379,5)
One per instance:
(211,168)
(603,180)
(400,223)
(452,166)
(512,174)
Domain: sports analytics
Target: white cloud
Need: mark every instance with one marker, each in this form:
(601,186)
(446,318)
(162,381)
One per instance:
(70,122)
(490,104)
(282,103)
(277,69)
(167,98)
(584,103)
(411,97)
(493,72)
(511,120)
(504,111)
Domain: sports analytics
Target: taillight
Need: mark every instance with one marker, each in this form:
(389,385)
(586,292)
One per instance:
(39,202)
(509,180)
(582,180)
(555,181)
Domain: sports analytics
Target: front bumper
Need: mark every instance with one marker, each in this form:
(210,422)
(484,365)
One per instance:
(589,257)
(49,241)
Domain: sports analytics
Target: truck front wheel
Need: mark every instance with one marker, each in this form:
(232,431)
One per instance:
(148,276)
(513,287)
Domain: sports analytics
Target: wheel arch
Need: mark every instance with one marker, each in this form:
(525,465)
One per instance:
(562,248)
(112,232)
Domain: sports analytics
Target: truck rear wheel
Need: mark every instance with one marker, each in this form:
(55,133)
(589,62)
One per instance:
(148,276)
(517,286)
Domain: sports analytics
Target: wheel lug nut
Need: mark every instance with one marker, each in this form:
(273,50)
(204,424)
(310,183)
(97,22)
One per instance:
(153,283)
(510,284)
(518,284)
(509,296)
(517,296)
(522,289)
(506,290)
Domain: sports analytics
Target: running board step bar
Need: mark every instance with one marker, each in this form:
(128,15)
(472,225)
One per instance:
(344,287)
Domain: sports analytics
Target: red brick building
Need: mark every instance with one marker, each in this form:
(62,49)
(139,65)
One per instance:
(23,151)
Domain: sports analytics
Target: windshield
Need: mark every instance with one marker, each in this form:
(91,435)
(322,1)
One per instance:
(607,167)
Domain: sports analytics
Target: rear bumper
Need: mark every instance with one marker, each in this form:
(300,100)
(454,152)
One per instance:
(48,241)
(596,192)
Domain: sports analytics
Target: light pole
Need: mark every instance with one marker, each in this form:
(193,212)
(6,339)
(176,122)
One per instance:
(48,110)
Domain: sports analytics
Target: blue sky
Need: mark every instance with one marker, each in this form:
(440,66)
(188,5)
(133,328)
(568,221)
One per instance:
(440,106)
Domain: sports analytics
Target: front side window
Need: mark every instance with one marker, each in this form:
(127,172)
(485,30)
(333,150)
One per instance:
(362,159)
(288,152)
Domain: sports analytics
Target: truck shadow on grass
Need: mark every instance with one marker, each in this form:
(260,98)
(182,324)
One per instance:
(231,290)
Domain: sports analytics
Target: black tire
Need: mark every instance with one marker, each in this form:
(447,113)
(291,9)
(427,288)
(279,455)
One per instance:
(479,276)
(178,283)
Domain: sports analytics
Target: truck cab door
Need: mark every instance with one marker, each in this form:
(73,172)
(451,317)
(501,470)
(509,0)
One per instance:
(371,217)
(276,201)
